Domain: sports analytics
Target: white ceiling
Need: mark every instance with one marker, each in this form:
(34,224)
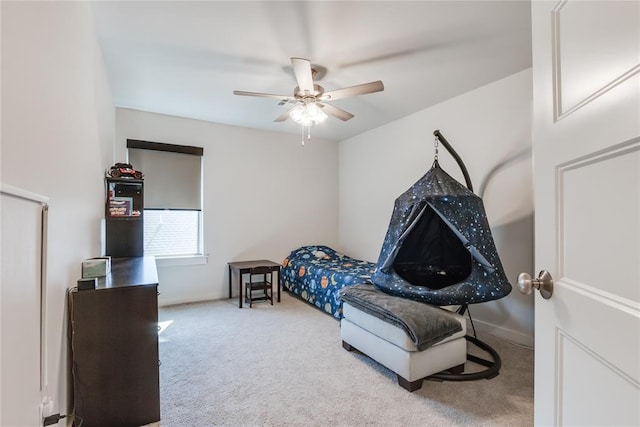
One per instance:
(185,58)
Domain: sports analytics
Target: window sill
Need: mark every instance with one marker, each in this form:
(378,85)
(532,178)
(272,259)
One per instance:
(174,261)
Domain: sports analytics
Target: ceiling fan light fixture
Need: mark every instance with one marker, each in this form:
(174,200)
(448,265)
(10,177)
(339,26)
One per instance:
(308,114)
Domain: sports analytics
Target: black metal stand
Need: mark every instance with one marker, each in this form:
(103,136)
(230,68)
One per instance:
(493,366)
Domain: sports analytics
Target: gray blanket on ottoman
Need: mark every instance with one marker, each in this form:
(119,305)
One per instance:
(425,324)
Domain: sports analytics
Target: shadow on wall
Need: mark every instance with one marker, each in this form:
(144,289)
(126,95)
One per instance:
(507,189)
(521,156)
(510,186)
(514,314)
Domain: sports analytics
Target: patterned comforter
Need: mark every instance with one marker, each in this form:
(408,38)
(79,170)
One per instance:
(317,273)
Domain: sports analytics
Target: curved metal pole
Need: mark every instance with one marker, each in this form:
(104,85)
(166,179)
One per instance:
(493,366)
(455,155)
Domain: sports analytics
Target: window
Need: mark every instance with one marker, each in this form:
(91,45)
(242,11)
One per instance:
(172,196)
(171,232)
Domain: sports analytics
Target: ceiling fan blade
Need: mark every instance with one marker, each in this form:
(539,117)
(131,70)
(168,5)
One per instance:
(335,111)
(264,95)
(304,75)
(356,90)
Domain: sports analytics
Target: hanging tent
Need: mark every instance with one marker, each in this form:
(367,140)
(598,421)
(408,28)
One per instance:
(438,248)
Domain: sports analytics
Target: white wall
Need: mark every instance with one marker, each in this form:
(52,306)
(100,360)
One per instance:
(57,136)
(487,126)
(264,195)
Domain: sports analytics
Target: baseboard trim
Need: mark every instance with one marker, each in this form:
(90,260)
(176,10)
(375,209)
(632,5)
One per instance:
(517,337)
(163,302)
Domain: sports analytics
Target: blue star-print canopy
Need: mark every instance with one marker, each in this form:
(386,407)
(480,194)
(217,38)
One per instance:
(439,248)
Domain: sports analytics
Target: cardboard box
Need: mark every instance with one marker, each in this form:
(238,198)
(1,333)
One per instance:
(96,267)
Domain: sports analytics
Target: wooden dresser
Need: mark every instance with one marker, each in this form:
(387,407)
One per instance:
(114,346)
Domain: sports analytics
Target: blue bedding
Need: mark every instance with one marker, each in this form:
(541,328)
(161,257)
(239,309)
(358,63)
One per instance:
(317,273)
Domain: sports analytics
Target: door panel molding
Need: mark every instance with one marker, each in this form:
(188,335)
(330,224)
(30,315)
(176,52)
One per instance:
(609,299)
(580,311)
(566,343)
(560,78)
(616,292)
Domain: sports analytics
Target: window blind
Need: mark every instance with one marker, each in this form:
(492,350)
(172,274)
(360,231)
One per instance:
(172,174)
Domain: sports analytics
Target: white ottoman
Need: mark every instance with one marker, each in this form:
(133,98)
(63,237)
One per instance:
(390,346)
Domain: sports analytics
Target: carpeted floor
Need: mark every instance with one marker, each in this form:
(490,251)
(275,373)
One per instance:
(284,365)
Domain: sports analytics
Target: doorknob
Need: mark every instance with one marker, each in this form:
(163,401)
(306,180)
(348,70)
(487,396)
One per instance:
(544,283)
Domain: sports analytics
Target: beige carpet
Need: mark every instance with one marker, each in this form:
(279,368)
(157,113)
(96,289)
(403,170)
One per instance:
(284,365)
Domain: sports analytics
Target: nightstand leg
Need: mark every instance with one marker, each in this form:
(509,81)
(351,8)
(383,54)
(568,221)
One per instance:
(240,293)
(278,284)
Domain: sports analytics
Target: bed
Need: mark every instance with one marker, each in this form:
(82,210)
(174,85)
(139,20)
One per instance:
(317,273)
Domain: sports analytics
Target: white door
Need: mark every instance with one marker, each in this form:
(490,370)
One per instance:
(22,343)
(586,139)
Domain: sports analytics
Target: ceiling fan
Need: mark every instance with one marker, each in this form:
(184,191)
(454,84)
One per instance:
(311,99)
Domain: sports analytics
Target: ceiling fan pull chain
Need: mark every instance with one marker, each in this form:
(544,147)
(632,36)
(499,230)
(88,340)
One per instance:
(302,139)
